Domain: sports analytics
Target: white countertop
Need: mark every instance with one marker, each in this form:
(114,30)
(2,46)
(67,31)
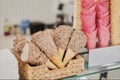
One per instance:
(7,41)
(8,65)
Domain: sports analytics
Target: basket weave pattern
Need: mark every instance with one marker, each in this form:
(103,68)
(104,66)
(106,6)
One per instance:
(74,67)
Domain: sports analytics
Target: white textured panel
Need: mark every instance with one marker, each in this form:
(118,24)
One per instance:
(104,56)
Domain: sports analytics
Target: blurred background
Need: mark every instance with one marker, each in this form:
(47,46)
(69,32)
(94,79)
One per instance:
(30,16)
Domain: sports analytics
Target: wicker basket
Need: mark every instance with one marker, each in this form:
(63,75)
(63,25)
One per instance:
(74,67)
(115,22)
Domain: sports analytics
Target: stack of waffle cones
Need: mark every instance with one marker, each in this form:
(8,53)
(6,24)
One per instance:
(115,21)
(78,23)
(103,25)
(88,17)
